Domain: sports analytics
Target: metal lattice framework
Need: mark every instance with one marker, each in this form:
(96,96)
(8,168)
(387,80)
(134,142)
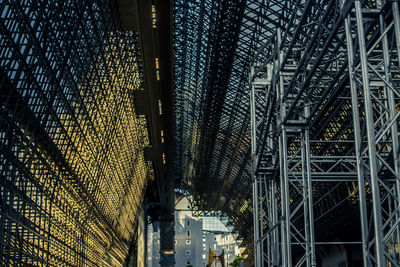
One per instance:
(219,175)
(325,99)
(314,155)
(216,168)
(72,170)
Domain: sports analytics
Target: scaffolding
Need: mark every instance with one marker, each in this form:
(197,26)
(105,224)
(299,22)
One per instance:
(72,167)
(325,116)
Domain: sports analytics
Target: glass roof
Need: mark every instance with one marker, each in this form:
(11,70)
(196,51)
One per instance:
(215,42)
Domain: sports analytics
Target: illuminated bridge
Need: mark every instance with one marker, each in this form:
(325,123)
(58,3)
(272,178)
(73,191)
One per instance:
(281,115)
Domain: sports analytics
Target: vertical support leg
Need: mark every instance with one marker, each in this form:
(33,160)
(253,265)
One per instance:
(283,164)
(275,231)
(264,190)
(285,198)
(392,113)
(306,207)
(357,142)
(282,196)
(369,121)
(313,260)
(254,176)
(257,259)
(396,20)
(375,98)
(261,202)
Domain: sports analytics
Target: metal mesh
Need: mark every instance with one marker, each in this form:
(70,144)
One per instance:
(72,171)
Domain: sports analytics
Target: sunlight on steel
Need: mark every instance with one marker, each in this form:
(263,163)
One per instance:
(72,170)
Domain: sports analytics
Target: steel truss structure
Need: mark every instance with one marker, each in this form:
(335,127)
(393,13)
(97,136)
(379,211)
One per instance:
(325,104)
(72,170)
(216,169)
(211,124)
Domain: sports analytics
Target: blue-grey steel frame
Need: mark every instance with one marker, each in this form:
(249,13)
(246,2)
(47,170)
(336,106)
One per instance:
(325,111)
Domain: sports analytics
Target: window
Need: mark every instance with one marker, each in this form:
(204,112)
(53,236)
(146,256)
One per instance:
(188,242)
(188,222)
(204,238)
(227,238)
(175,242)
(215,246)
(188,252)
(188,233)
(204,256)
(188,262)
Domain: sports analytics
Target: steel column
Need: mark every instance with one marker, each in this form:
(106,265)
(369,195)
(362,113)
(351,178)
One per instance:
(357,141)
(372,72)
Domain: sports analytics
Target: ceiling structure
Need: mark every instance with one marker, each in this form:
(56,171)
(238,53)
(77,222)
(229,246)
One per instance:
(215,42)
(64,119)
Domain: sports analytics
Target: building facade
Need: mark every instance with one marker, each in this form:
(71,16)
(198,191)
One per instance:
(188,240)
(153,245)
(194,236)
(219,242)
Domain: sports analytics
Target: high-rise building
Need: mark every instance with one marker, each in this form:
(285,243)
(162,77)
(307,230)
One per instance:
(194,236)
(153,244)
(188,236)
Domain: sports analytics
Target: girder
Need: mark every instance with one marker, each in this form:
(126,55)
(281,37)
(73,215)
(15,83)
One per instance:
(303,164)
(224,180)
(328,113)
